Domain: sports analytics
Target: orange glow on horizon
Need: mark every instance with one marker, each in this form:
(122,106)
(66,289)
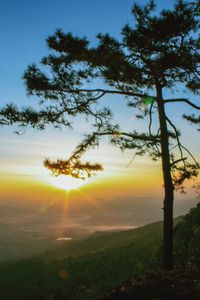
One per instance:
(102,185)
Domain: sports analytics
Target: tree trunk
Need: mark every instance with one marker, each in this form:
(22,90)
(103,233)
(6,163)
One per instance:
(168,186)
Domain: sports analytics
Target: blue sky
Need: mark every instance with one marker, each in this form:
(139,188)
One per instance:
(24,26)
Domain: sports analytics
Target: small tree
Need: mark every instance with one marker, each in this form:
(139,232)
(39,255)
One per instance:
(157,53)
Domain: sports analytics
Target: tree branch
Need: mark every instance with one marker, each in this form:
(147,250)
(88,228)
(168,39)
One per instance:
(103,91)
(133,136)
(178,141)
(180,146)
(150,118)
(192,156)
(182,100)
(178,160)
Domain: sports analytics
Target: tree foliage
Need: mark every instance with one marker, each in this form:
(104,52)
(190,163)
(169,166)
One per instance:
(158,48)
(187,240)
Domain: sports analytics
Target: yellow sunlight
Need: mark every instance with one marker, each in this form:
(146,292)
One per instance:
(66,182)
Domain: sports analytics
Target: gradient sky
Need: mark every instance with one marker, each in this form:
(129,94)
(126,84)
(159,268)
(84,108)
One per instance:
(24,26)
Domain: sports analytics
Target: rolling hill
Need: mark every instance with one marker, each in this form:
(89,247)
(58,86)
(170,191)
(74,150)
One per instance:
(92,265)
(84,268)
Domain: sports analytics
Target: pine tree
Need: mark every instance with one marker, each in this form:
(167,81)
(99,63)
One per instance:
(158,53)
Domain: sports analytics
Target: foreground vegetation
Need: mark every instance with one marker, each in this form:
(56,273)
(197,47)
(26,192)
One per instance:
(174,285)
(92,267)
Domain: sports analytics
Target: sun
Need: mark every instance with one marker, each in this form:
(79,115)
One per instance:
(67,183)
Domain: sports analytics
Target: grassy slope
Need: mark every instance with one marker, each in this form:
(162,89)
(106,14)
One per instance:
(83,269)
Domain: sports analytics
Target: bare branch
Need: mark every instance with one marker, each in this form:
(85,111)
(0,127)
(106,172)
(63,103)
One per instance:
(192,156)
(178,141)
(132,159)
(180,146)
(182,100)
(178,160)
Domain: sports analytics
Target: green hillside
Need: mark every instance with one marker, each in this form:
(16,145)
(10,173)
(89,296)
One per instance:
(183,283)
(93,265)
(86,268)
(104,241)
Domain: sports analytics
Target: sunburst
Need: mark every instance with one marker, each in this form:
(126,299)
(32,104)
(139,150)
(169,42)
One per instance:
(67,183)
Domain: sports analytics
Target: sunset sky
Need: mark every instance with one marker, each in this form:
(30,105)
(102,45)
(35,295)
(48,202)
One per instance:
(24,27)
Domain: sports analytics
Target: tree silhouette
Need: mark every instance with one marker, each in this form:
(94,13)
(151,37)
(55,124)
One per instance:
(160,52)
